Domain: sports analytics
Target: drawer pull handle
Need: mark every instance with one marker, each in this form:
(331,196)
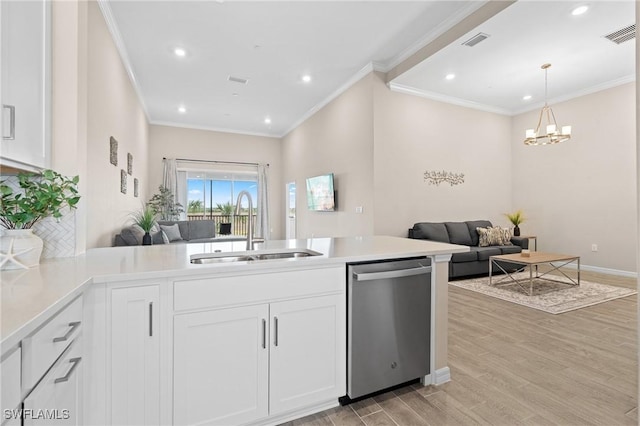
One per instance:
(264,333)
(75,362)
(72,328)
(12,122)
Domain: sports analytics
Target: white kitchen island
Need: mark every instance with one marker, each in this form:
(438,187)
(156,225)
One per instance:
(164,341)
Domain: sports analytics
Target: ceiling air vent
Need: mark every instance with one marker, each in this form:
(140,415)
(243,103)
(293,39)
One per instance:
(238,79)
(476,39)
(623,34)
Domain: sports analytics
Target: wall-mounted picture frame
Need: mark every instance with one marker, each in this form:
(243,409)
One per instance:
(113,151)
(135,187)
(129,163)
(123,181)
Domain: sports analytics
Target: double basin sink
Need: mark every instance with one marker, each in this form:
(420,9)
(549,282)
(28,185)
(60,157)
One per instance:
(245,256)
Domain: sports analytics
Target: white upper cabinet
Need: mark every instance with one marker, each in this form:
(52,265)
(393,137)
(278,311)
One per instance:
(25,91)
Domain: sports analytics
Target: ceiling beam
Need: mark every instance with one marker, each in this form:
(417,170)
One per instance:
(483,14)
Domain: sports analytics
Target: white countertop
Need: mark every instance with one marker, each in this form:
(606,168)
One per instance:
(29,297)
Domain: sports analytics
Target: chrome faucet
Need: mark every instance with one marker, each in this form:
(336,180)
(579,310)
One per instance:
(250,225)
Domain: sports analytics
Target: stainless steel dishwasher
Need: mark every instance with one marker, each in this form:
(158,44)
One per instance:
(389,316)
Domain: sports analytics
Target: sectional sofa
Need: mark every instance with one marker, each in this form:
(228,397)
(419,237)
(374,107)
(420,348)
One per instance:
(187,231)
(476,261)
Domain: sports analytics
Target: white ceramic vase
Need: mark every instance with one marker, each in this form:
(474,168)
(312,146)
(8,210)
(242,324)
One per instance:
(20,249)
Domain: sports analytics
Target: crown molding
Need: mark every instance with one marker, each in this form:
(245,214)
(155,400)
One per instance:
(366,70)
(105,8)
(582,92)
(436,32)
(212,129)
(446,99)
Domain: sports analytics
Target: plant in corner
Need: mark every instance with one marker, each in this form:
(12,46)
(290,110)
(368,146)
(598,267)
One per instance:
(164,205)
(516,219)
(40,196)
(145,219)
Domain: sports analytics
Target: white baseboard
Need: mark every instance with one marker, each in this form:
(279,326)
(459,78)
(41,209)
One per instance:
(441,375)
(297,414)
(609,271)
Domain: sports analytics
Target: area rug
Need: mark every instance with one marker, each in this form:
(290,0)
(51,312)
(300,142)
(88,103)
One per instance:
(551,297)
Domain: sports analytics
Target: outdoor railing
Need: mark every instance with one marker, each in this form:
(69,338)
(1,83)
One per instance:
(239,223)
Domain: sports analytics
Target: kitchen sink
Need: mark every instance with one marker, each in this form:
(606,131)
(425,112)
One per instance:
(255,255)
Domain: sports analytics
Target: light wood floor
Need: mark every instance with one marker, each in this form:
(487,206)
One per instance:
(512,365)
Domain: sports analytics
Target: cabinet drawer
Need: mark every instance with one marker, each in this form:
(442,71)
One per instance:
(42,348)
(10,383)
(257,288)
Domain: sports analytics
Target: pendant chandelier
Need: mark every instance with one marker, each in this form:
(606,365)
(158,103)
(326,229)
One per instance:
(552,134)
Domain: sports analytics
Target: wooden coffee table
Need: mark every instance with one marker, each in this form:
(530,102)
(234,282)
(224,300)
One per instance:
(536,258)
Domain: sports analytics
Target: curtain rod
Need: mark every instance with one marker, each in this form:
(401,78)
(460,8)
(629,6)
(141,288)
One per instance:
(215,161)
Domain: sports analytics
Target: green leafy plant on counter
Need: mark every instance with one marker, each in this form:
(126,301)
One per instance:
(42,195)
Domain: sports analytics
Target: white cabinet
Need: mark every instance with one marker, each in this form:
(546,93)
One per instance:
(135,356)
(307,360)
(237,365)
(221,361)
(57,399)
(25,94)
(10,387)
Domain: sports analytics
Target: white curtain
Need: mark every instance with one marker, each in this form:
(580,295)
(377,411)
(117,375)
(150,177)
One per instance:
(170,179)
(262,220)
(181,193)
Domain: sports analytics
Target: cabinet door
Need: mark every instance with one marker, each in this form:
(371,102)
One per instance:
(307,352)
(25,73)
(135,356)
(221,366)
(57,398)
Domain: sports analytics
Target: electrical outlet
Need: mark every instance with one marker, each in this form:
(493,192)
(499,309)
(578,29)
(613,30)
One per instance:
(359,209)
(594,247)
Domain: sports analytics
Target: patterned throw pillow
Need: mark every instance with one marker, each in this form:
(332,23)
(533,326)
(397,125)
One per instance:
(494,236)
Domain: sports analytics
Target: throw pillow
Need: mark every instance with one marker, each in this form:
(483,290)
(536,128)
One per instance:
(172,232)
(506,237)
(491,236)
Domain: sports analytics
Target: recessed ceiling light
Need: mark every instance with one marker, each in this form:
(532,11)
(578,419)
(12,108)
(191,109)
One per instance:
(180,52)
(182,109)
(235,94)
(450,76)
(580,10)
(267,120)
(526,97)
(306,78)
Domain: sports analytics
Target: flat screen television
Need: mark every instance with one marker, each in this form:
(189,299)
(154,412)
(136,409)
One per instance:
(320,193)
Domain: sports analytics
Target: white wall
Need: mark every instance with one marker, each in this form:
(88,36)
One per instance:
(337,139)
(582,192)
(413,135)
(175,142)
(113,110)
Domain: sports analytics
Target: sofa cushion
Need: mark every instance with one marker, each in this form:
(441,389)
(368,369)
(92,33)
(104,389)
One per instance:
(485,252)
(183,225)
(472,225)
(199,229)
(458,233)
(132,235)
(431,231)
(470,256)
(172,232)
(157,237)
(510,249)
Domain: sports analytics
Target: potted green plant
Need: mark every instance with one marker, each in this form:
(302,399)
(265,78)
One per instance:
(39,196)
(145,219)
(516,219)
(164,205)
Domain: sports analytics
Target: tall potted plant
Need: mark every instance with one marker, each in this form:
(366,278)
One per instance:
(164,205)
(39,196)
(516,219)
(145,219)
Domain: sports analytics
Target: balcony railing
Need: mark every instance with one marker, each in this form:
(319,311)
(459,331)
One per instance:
(239,223)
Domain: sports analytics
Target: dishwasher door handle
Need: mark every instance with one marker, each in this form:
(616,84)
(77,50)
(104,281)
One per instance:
(399,273)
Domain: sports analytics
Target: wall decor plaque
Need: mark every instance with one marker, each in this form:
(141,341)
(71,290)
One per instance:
(135,187)
(129,163)
(123,181)
(113,151)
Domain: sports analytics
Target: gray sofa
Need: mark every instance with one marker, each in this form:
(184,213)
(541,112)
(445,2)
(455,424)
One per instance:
(191,231)
(474,262)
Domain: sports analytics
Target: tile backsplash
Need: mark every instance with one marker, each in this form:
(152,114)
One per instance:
(58,235)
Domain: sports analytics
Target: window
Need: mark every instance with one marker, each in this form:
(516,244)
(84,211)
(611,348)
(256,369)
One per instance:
(212,194)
